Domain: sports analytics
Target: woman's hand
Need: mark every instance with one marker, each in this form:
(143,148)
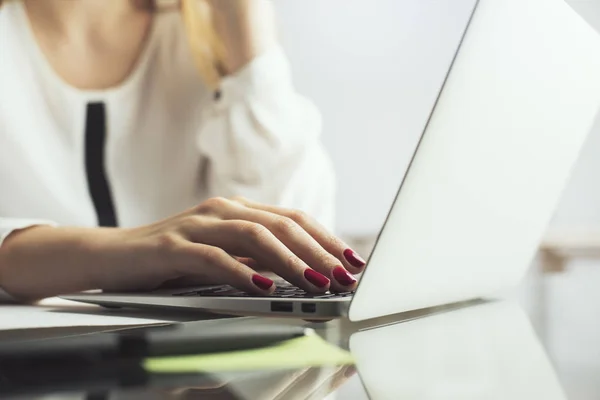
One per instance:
(220,241)
(246,28)
(227,241)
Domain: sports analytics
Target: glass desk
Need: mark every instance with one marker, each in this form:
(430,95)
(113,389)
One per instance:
(476,351)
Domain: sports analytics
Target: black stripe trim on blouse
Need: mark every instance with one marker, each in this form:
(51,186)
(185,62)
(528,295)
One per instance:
(95,144)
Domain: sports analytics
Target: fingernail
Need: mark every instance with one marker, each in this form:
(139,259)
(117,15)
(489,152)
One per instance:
(343,277)
(316,278)
(354,259)
(262,282)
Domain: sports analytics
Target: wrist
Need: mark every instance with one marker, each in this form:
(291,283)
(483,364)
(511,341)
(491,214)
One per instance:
(109,254)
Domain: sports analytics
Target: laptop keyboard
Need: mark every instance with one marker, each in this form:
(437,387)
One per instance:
(283,290)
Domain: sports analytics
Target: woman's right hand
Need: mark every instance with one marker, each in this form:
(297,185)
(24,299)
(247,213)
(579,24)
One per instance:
(220,241)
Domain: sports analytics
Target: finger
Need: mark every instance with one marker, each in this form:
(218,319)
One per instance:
(335,246)
(187,281)
(252,263)
(249,239)
(204,262)
(295,238)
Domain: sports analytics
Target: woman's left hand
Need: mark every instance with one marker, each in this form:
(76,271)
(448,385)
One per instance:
(246,28)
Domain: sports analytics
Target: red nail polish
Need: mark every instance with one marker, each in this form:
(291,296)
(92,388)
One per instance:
(354,259)
(262,282)
(343,277)
(316,278)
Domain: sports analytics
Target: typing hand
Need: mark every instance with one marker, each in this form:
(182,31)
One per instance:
(221,241)
(228,241)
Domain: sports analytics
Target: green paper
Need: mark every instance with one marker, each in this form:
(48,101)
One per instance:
(306,351)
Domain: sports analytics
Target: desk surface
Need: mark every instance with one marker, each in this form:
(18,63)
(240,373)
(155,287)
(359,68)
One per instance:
(479,351)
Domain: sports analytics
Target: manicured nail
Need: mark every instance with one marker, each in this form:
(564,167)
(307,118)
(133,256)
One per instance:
(343,277)
(354,259)
(316,278)
(262,282)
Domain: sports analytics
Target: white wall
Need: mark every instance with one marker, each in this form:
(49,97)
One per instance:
(374,68)
(580,205)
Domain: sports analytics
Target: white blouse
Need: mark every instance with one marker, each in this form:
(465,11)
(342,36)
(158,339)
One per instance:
(155,145)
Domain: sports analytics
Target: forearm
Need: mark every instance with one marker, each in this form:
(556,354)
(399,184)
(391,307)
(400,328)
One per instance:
(246,29)
(45,261)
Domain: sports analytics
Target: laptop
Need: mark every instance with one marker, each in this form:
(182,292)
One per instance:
(514,111)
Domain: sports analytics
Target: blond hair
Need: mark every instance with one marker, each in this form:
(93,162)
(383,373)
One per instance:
(207,49)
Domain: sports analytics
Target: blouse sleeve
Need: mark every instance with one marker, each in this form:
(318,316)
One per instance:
(262,141)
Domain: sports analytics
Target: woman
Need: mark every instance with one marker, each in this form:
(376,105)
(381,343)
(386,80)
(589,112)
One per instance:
(109,123)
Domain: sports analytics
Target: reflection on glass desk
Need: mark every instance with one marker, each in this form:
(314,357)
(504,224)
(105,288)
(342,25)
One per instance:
(488,351)
(483,351)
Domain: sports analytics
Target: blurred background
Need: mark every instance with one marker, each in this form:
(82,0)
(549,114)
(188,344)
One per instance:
(374,70)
